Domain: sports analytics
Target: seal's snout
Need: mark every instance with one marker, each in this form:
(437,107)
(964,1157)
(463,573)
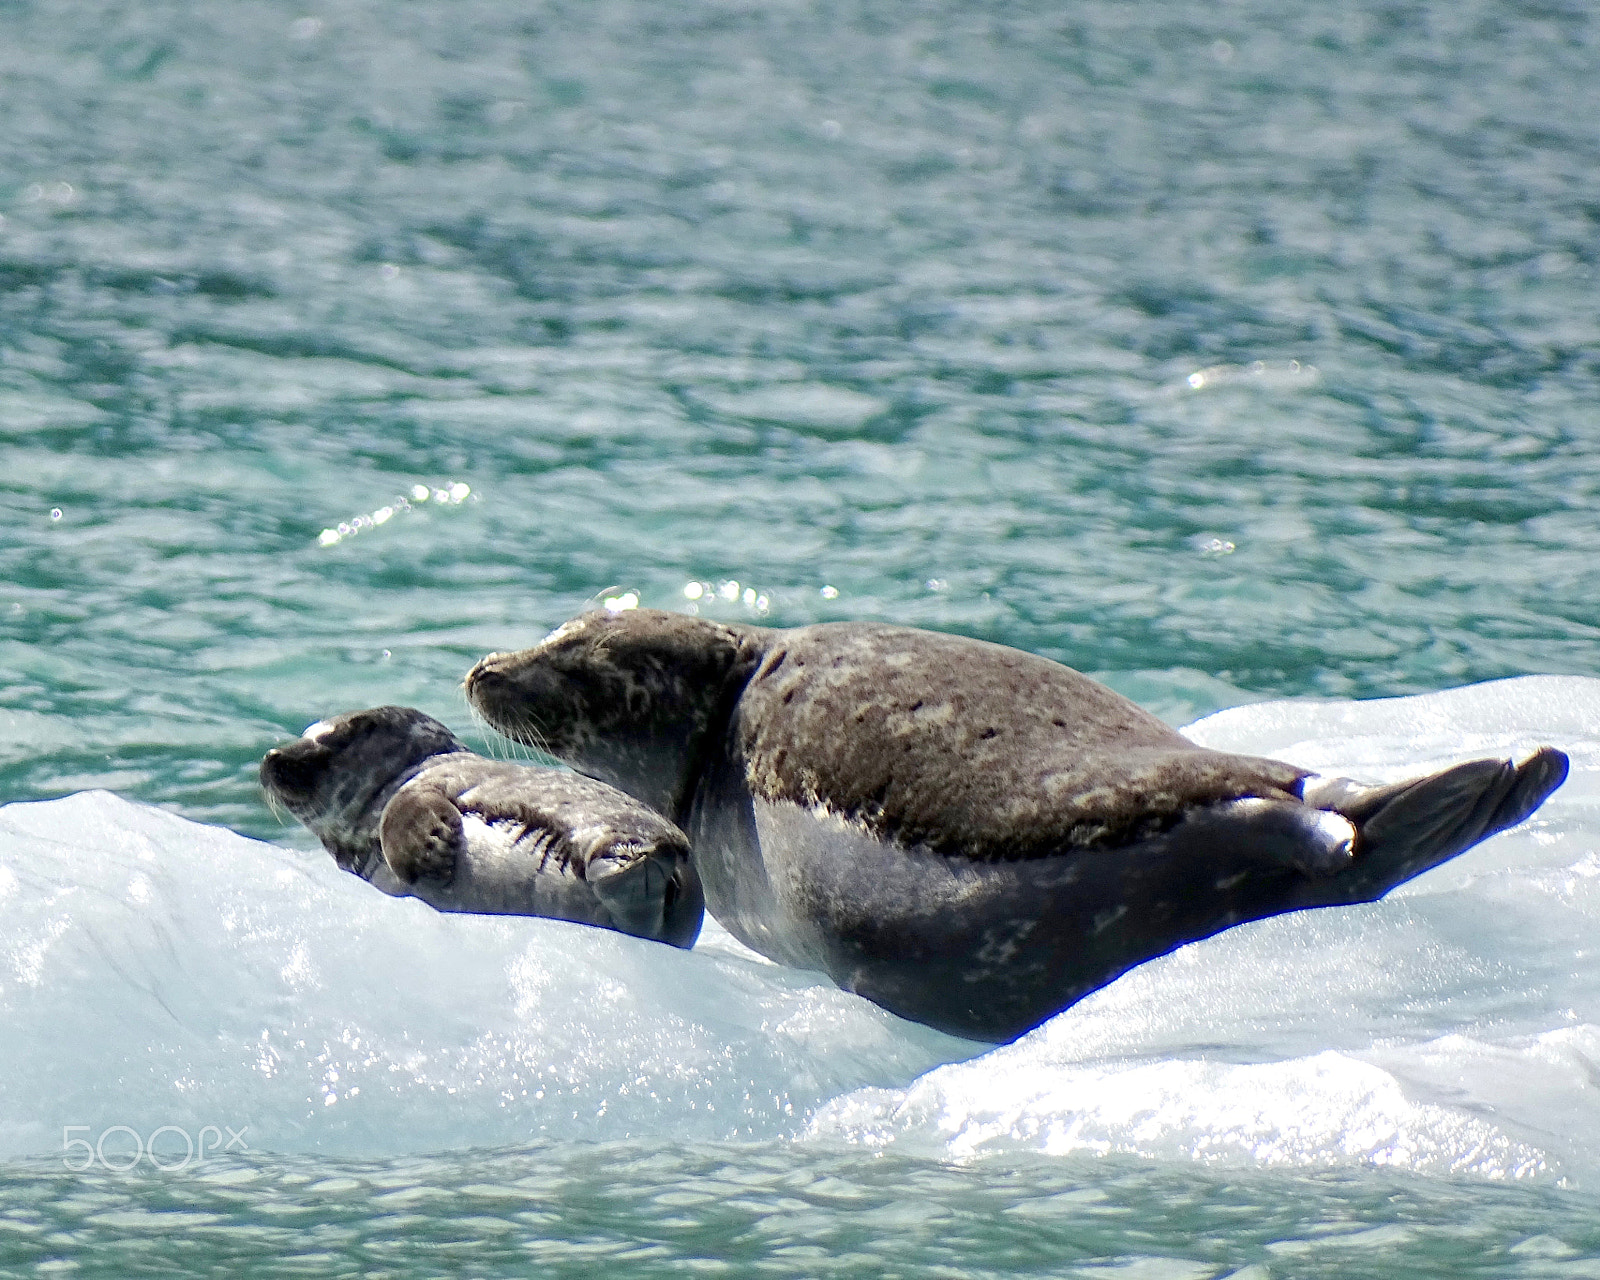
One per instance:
(277,768)
(502,687)
(487,680)
(475,677)
(269,769)
(291,771)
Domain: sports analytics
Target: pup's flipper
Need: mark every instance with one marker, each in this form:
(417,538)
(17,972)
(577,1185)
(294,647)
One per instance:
(421,834)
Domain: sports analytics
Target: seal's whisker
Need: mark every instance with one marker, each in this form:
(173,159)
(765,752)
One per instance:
(529,734)
(273,806)
(491,743)
(507,747)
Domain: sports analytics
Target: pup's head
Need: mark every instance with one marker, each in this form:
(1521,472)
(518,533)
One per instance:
(337,776)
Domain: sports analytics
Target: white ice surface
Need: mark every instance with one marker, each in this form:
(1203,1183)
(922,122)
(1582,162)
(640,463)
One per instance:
(154,971)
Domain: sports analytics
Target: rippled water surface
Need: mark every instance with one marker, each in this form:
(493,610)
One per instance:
(754,1210)
(1228,352)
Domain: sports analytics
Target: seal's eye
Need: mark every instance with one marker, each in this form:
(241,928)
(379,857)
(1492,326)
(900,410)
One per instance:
(317,732)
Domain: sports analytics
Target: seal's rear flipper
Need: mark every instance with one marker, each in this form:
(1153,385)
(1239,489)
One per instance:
(649,894)
(1406,828)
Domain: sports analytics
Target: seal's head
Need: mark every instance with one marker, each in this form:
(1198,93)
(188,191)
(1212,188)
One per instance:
(625,697)
(338,775)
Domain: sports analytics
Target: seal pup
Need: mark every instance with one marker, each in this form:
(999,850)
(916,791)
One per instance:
(971,836)
(398,800)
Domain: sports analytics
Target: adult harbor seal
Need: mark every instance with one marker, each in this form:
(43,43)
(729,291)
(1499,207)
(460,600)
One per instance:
(398,800)
(969,835)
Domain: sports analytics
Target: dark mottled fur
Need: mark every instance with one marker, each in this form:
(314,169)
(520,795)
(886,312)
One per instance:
(971,836)
(966,747)
(971,748)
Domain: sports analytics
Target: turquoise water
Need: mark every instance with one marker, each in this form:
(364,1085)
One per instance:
(749,1210)
(1228,353)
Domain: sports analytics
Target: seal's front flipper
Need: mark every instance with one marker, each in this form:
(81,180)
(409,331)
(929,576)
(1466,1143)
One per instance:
(1407,828)
(421,834)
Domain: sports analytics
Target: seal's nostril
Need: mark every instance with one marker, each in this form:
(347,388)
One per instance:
(485,680)
(270,765)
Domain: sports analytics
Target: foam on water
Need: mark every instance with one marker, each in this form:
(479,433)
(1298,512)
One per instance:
(158,972)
